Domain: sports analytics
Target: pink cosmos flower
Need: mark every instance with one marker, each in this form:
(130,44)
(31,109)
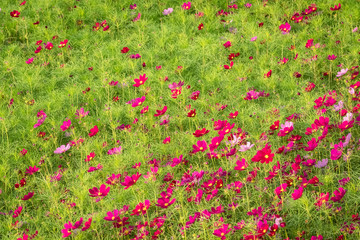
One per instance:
(165,202)
(114,151)
(160,112)
(175,85)
(248,5)
(62,149)
(201,146)
(312,144)
(137,101)
(80,113)
(17,212)
(135,56)
(339,194)
(253,39)
(132,6)
(29,61)
(168,11)
(65,125)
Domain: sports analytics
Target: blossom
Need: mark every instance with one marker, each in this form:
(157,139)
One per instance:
(336,7)
(253,39)
(186,6)
(63,43)
(229,66)
(29,61)
(62,149)
(17,212)
(80,113)
(168,11)
(114,151)
(312,144)
(339,194)
(342,72)
(65,125)
(140,81)
(28,196)
(31,170)
(321,163)
(285,28)
(135,56)
(241,165)
(48,45)
(141,208)
(165,202)
(244,148)
(136,18)
(125,50)
(248,5)
(137,101)
(93,131)
(331,57)
(227,44)
(112,216)
(297,193)
(129,181)
(99,192)
(264,155)
(160,112)
(200,146)
(221,232)
(199,133)
(15,14)
(201,26)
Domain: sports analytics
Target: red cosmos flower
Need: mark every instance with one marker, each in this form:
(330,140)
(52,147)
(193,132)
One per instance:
(229,67)
(199,133)
(63,43)
(144,110)
(195,95)
(160,112)
(106,28)
(323,198)
(90,157)
(233,115)
(129,181)
(93,131)
(268,74)
(96,27)
(125,50)
(28,196)
(192,113)
(38,49)
(264,155)
(201,26)
(102,192)
(140,81)
(227,44)
(336,7)
(261,24)
(15,14)
(48,45)
(275,126)
(23,152)
(141,208)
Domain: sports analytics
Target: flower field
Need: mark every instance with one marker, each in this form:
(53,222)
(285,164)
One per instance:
(180,120)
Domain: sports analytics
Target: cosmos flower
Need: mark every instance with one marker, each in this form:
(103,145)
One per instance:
(168,11)
(62,149)
(342,72)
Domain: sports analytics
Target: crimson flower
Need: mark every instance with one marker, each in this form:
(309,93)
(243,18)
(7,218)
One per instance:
(15,14)
(31,170)
(199,133)
(192,113)
(264,155)
(227,44)
(28,196)
(125,50)
(141,208)
(201,26)
(336,7)
(229,67)
(160,112)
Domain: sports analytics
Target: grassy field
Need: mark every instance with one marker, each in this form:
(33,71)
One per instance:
(179,120)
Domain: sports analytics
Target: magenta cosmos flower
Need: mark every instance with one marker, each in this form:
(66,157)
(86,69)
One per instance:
(137,101)
(29,61)
(285,28)
(101,192)
(186,6)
